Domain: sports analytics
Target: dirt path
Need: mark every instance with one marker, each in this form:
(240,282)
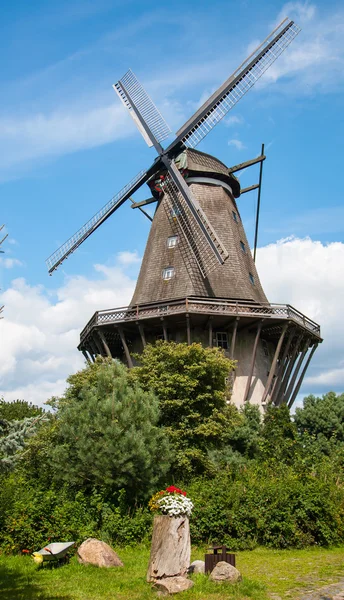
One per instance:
(329,592)
(334,591)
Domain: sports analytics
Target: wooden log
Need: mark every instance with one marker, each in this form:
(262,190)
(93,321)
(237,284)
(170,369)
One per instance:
(170,549)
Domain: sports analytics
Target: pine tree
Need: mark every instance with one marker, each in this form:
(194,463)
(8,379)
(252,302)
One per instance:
(13,437)
(107,434)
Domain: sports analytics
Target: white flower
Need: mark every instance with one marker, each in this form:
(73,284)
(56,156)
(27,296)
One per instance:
(175,506)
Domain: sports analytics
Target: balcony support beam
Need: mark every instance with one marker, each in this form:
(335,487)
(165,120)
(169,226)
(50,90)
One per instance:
(125,347)
(274,362)
(104,342)
(253,360)
(299,383)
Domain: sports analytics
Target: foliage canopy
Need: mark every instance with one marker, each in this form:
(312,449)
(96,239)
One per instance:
(190,382)
(107,435)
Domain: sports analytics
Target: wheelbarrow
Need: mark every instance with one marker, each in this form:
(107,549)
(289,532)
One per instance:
(55,551)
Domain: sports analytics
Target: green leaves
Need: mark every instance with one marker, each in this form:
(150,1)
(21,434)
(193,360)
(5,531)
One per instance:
(190,382)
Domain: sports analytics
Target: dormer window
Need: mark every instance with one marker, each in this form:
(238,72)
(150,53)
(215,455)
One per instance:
(235,216)
(251,278)
(168,273)
(172,241)
(243,247)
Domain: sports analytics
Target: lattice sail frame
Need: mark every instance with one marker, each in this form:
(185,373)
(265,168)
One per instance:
(250,71)
(75,240)
(144,105)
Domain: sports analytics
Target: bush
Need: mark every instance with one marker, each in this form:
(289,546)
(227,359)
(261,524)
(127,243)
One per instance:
(267,505)
(31,518)
(190,383)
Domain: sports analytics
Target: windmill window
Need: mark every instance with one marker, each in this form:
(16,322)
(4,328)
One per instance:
(235,216)
(243,247)
(174,212)
(172,241)
(251,278)
(222,339)
(168,273)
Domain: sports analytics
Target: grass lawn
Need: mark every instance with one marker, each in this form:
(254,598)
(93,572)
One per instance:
(267,574)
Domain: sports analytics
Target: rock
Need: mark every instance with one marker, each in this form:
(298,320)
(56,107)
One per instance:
(170,549)
(339,596)
(172,585)
(223,571)
(197,566)
(95,552)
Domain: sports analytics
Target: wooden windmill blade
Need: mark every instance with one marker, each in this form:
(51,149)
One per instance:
(194,225)
(142,109)
(3,239)
(236,86)
(104,213)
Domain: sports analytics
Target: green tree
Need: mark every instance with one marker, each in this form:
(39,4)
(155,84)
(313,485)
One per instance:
(190,382)
(279,438)
(18,410)
(322,416)
(13,438)
(106,434)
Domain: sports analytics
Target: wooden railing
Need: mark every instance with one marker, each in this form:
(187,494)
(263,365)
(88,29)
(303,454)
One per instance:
(199,305)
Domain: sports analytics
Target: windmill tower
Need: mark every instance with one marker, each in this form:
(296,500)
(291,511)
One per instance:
(198,280)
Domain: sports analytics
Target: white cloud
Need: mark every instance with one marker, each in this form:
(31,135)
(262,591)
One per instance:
(315,59)
(9,263)
(234,120)
(309,275)
(37,135)
(238,144)
(301,12)
(128,258)
(40,330)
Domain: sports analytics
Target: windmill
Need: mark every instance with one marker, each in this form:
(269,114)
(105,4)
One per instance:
(198,279)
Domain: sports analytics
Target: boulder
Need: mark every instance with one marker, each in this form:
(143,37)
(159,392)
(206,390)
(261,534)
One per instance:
(223,571)
(197,566)
(172,585)
(95,552)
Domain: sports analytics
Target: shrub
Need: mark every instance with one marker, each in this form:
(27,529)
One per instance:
(268,505)
(32,518)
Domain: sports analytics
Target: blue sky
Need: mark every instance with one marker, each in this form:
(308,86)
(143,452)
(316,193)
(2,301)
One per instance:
(67,146)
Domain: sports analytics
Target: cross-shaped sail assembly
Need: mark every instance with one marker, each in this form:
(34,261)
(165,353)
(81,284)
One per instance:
(201,239)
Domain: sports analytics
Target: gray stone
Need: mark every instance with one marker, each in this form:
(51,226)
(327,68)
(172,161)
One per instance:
(97,553)
(223,571)
(172,585)
(197,566)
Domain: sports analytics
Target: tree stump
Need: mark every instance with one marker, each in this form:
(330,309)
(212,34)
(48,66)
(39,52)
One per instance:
(171,548)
